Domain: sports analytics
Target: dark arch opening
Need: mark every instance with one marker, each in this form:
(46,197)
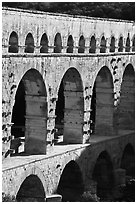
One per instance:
(57,43)
(81,48)
(29,43)
(13,43)
(70,44)
(103,45)
(101,117)
(70,108)
(71,185)
(127,44)
(112,44)
(120,44)
(128,160)
(31,190)
(133,44)
(30,114)
(92,45)
(103,175)
(127,100)
(44,44)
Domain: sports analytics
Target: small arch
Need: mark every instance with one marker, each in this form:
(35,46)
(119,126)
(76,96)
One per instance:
(57,43)
(44,44)
(103,175)
(128,44)
(70,44)
(103,45)
(112,44)
(71,185)
(92,45)
(120,44)
(31,190)
(133,44)
(13,43)
(29,43)
(81,46)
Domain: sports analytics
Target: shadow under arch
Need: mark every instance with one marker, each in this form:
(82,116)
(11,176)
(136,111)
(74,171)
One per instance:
(70,108)
(103,175)
(71,185)
(102,103)
(29,113)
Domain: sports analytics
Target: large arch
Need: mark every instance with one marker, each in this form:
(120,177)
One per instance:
(71,184)
(103,175)
(102,103)
(127,100)
(70,107)
(29,113)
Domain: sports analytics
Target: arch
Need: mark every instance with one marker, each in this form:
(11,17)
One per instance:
(81,46)
(103,175)
(128,160)
(120,44)
(13,43)
(70,108)
(112,44)
(57,43)
(102,102)
(70,44)
(71,184)
(31,190)
(44,44)
(127,49)
(103,45)
(92,45)
(29,113)
(133,44)
(29,43)
(127,100)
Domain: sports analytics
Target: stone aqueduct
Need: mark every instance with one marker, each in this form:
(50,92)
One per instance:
(71,76)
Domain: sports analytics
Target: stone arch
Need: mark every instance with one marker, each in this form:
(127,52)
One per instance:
(71,184)
(102,104)
(57,43)
(112,44)
(133,44)
(103,45)
(127,49)
(70,44)
(120,44)
(31,98)
(127,100)
(103,175)
(13,43)
(81,46)
(70,108)
(92,45)
(29,43)
(44,44)
(128,160)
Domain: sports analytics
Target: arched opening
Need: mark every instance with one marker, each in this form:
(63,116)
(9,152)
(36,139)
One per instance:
(112,44)
(102,103)
(70,44)
(13,43)
(81,48)
(71,185)
(57,43)
(120,44)
(103,175)
(127,100)
(128,160)
(70,108)
(127,44)
(31,190)
(92,45)
(29,44)
(103,45)
(133,44)
(44,44)
(30,114)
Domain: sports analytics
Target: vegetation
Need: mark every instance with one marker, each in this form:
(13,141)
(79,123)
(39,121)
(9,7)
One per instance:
(117,10)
